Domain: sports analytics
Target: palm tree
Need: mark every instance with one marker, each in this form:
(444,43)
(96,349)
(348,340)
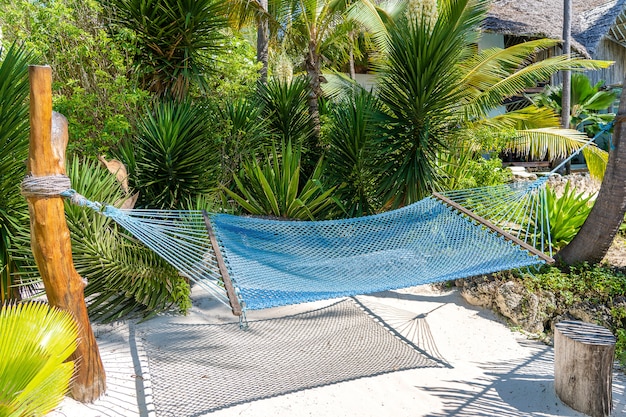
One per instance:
(597,233)
(435,87)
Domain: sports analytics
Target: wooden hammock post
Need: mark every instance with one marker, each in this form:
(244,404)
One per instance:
(50,237)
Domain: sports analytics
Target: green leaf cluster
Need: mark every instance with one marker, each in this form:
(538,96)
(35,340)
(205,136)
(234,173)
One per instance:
(36,342)
(14,132)
(273,187)
(566,214)
(173,156)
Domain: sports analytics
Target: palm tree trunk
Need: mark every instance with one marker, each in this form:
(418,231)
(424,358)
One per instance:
(262,43)
(312,64)
(597,233)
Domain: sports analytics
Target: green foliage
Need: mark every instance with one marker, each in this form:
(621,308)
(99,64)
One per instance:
(566,214)
(285,108)
(236,72)
(93,86)
(272,187)
(173,156)
(349,155)
(593,283)
(36,342)
(123,275)
(100,118)
(14,90)
(419,91)
(245,131)
(597,284)
(176,42)
(589,103)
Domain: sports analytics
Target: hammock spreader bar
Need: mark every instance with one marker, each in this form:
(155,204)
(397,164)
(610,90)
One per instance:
(233,300)
(493,227)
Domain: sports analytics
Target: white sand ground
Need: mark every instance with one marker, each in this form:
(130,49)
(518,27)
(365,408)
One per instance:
(493,371)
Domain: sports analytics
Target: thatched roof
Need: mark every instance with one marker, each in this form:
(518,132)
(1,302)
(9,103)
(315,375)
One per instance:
(591,19)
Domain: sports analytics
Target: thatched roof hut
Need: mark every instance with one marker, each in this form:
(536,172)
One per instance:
(598,26)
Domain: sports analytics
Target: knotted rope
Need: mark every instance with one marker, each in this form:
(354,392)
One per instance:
(55,186)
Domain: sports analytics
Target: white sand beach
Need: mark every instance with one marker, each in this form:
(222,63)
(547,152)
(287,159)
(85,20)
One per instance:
(464,361)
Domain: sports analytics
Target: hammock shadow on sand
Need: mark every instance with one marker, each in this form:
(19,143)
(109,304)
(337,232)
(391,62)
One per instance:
(522,387)
(199,368)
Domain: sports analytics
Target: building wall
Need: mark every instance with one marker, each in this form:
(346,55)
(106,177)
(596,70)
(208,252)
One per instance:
(612,51)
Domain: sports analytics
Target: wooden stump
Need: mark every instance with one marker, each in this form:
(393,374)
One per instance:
(50,236)
(583,366)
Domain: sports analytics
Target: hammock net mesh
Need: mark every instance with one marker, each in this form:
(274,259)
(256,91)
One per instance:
(274,263)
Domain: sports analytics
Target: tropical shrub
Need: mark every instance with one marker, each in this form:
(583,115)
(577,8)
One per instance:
(92,82)
(349,155)
(566,214)
(176,42)
(435,85)
(123,275)
(245,131)
(589,103)
(173,157)
(36,342)
(14,90)
(272,187)
(285,108)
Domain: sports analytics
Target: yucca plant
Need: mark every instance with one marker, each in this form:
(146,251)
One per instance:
(173,156)
(567,213)
(348,158)
(123,275)
(36,342)
(272,187)
(176,41)
(246,131)
(435,84)
(14,130)
(284,107)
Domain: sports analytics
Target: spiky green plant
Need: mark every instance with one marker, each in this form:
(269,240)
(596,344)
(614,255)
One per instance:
(272,187)
(348,158)
(123,275)
(36,342)
(567,213)
(435,84)
(285,108)
(174,155)
(176,41)
(13,152)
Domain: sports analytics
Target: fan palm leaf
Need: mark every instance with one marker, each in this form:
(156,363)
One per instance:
(36,342)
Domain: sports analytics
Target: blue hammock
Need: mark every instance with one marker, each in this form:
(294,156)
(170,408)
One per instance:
(254,263)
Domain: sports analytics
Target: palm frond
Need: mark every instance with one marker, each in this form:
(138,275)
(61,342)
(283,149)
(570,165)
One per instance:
(530,117)
(493,92)
(36,341)
(554,143)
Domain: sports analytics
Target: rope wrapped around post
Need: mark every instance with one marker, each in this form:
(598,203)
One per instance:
(55,186)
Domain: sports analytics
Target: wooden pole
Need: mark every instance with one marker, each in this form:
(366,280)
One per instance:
(50,237)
